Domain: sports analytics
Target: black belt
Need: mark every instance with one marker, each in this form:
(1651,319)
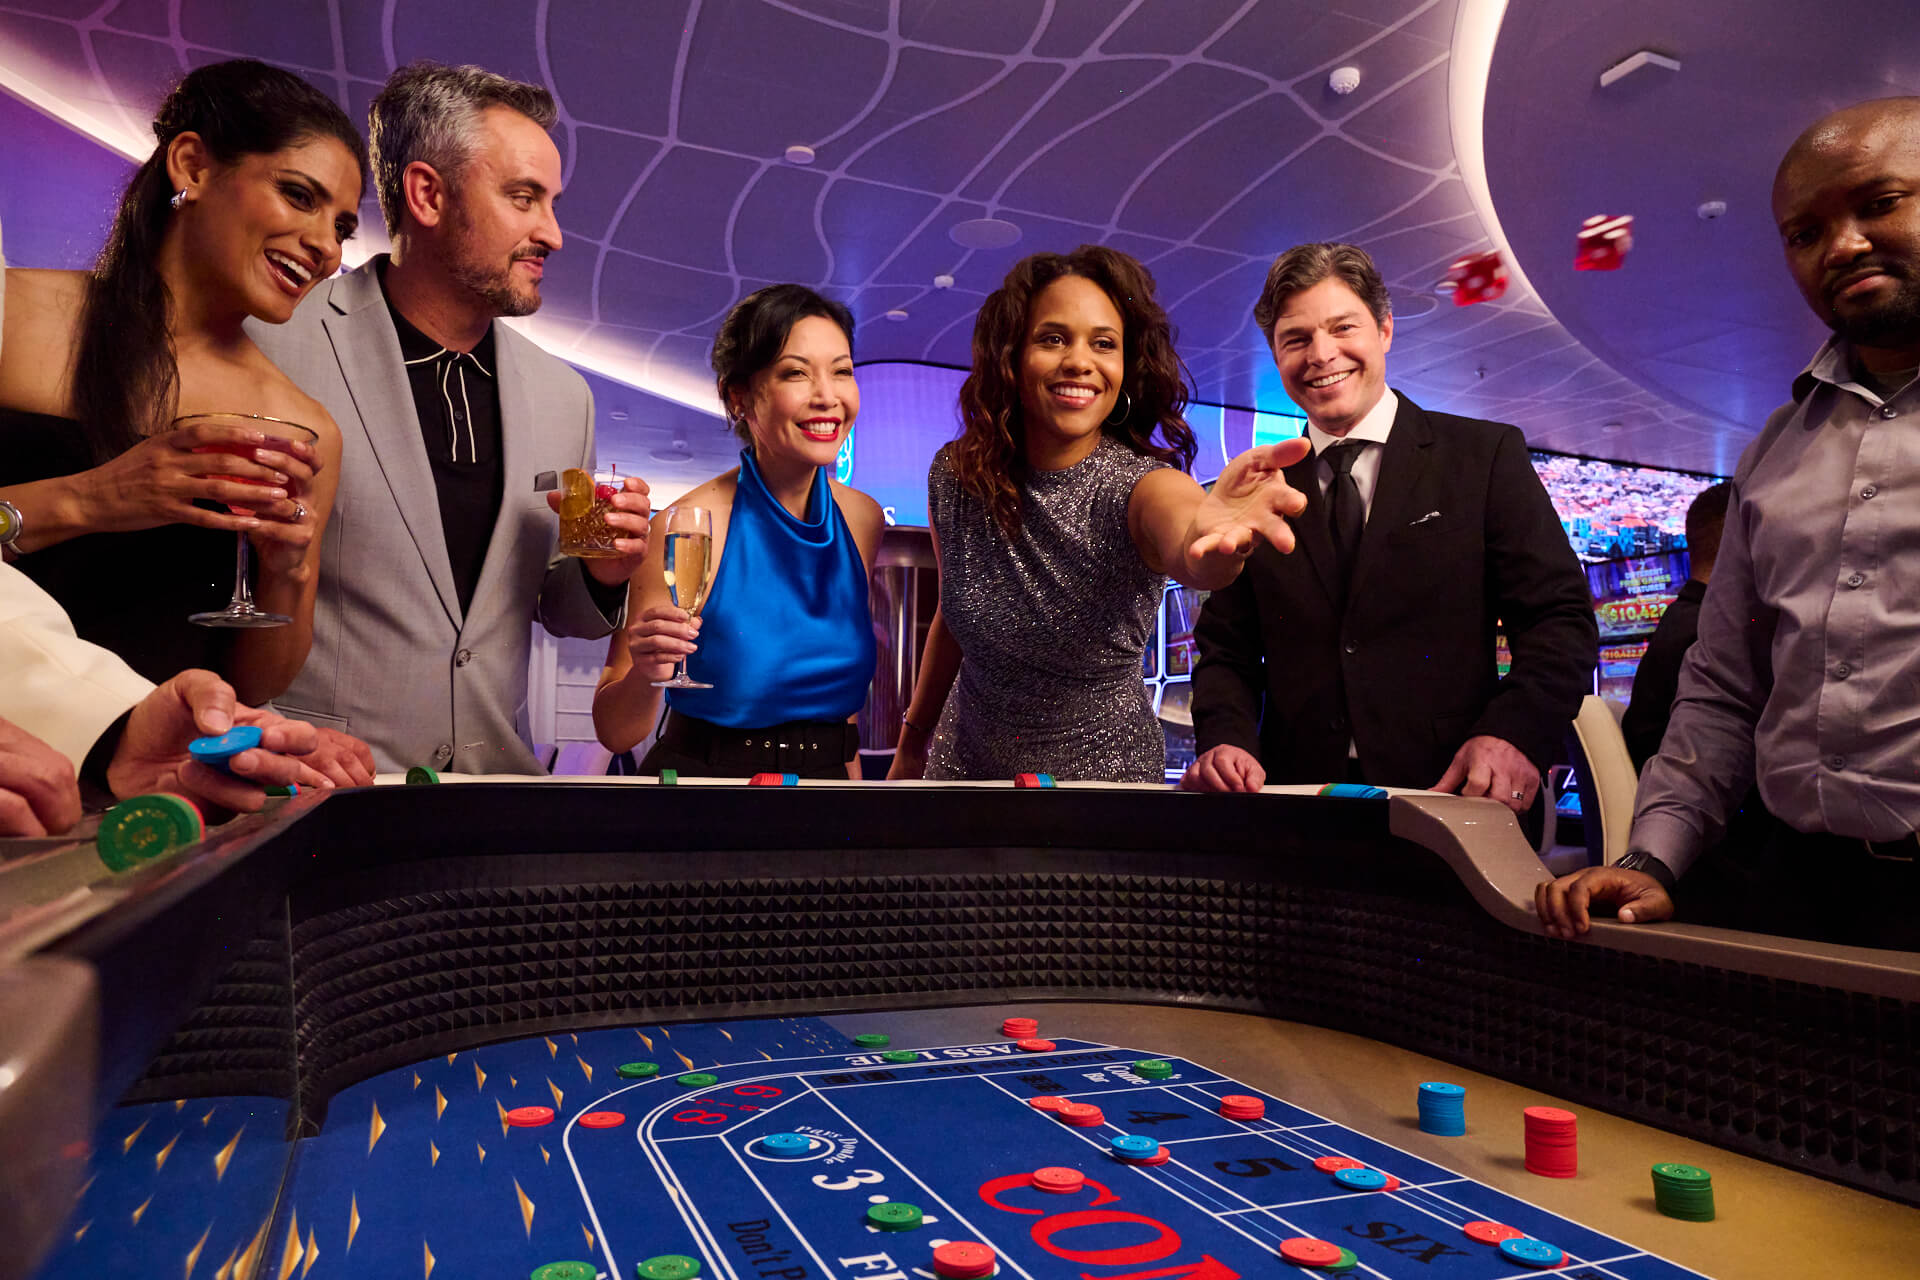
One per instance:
(794,745)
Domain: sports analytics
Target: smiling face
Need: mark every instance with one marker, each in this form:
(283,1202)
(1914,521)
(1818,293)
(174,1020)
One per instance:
(1071,366)
(1332,355)
(801,407)
(268,227)
(1847,201)
(500,218)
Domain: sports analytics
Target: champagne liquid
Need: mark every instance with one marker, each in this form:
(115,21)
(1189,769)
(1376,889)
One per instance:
(688,572)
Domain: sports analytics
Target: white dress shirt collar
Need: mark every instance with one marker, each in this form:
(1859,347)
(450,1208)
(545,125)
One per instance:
(1375,427)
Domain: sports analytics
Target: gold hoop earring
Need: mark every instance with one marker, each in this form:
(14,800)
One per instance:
(1125,408)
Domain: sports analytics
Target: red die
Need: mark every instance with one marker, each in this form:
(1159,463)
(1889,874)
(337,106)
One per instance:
(1480,277)
(1603,242)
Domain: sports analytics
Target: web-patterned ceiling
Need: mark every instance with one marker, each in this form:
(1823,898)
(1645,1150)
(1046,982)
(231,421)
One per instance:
(1199,135)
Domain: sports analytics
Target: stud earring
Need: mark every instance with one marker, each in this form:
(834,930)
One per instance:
(179,198)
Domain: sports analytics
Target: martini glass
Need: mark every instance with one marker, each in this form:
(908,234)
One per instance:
(240,612)
(689,573)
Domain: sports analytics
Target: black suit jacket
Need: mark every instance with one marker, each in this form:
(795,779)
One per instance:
(1657,681)
(1461,535)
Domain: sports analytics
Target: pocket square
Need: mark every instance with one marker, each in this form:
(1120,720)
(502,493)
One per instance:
(546,480)
(1431,515)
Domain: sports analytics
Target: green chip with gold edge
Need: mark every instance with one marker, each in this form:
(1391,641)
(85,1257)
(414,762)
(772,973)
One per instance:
(1153,1069)
(668,1266)
(873,1040)
(421,776)
(901,1055)
(697,1080)
(669,777)
(894,1216)
(565,1271)
(142,828)
(637,1070)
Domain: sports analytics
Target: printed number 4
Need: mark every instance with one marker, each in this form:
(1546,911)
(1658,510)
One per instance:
(859,1178)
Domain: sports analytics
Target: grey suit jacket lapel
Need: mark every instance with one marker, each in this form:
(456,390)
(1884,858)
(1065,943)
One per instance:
(368,349)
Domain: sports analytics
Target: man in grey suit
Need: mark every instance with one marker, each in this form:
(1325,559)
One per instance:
(441,551)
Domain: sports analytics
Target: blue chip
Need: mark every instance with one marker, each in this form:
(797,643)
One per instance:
(1535,1253)
(1353,791)
(787,1144)
(1135,1145)
(1361,1179)
(1439,1089)
(215,752)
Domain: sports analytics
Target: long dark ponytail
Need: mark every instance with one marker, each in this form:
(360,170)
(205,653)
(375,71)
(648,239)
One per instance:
(125,383)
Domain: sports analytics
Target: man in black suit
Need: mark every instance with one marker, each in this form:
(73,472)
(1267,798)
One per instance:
(1368,654)
(1657,681)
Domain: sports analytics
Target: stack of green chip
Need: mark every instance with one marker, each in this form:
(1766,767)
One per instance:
(1683,1191)
(1153,1069)
(893,1215)
(873,1040)
(637,1070)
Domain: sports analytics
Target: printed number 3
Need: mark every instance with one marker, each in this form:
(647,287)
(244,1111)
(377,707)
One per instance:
(859,1178)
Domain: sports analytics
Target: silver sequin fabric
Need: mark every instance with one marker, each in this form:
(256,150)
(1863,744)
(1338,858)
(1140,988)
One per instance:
(1051,624)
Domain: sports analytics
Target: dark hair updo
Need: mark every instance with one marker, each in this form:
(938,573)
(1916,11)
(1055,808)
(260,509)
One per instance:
(754,333)
(124,377)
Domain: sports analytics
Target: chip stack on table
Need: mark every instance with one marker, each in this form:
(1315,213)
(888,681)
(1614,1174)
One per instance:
(1242,1106)
(1153,1069)
(1137,1148)
(1683,1191)
(1531,1253)
(964,1260)
(1020,1028)
(873,1039)
(637,1070)
(668,1266)
(894,1215)
(1553,1142)
(1443,1109)
(142,828)
(1081,1115)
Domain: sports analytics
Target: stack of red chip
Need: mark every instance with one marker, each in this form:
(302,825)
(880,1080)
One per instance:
(1060,1181)
(1081,1115)
(1046,1102)
(1019,1028)
(964,1260)
(1240,1106)
(1553,1142)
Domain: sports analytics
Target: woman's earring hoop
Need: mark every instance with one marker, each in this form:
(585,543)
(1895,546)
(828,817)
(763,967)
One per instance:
(1125,408)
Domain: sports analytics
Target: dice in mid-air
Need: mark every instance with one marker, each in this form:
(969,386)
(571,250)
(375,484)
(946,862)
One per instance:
(1479,277)
(1603,242)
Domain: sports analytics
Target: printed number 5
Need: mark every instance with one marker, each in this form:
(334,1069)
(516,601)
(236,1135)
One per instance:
(859,1178)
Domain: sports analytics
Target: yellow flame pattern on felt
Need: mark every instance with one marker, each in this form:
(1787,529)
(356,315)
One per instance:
(193,1254)
(483,1152)
(375,1128)
(479,1076)
(439,1103)
(290,1250)
(224,1156)
(160,1157)
(126,1143)
(429,1256)
(584,1067)
(433,1158)
(526,1207)
(553,1050)
(312,1256)
(141,1210)
(644,1039)
(353,1222)
(557,1095)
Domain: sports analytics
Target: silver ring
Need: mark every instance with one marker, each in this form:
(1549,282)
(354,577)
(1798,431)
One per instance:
(300,513)
(1518,794)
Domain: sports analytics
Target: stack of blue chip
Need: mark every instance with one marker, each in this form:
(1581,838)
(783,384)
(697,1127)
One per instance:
(1443,1109)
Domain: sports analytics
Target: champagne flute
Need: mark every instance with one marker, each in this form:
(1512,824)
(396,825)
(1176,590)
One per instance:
(240,612)
(689,573)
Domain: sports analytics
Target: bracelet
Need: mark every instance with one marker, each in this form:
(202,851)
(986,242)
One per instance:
(917,728)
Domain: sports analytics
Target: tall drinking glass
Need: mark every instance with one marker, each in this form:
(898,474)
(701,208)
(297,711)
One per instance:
(240,612)
(689,573)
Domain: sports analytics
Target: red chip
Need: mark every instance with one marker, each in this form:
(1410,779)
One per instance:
(1392,1184)
(1081,1115)
(1034,1046)
(1552,1117)
(602,1119)
(1240,1106)
(1020,1026)
(530,1117)
(1333,1164)
(1046,1102)
(964,1260)
(1491,1232)
(1309,1252)
(765,780)
(1058,1180)
(1158,1157)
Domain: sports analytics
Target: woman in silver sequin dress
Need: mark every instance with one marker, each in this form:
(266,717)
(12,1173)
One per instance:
(1057,518)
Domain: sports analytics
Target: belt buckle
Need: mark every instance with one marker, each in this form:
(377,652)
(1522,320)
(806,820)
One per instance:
(1911,841)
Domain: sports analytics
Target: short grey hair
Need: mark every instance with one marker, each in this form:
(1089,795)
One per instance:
(430,112)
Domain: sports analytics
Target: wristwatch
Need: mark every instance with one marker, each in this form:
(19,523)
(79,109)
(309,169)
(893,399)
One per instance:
(1645,863)
(11,523)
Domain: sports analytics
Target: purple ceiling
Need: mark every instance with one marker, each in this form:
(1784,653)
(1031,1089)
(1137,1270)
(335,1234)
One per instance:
(1198,134)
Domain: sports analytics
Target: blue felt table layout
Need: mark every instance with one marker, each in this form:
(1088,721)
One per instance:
(417,1173)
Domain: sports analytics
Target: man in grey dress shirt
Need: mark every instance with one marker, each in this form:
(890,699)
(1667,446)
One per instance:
(1806,674)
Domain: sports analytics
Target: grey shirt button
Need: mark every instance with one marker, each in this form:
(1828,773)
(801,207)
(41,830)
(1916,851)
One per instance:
(1855,579)
(442,753)
(1869,491)
(463,657)
(1352,648)
(1888,411)
(1836,762)
(1842,671)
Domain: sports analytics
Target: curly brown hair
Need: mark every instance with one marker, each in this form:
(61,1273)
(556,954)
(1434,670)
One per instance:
(990,451)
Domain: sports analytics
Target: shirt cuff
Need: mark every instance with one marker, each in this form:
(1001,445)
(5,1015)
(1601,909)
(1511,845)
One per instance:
(1667,839)
(611,601)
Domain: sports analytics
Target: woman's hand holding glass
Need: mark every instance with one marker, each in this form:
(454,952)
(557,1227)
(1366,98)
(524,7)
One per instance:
(663,637)
(158,481)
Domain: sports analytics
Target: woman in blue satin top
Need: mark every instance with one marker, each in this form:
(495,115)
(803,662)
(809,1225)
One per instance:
(785,639)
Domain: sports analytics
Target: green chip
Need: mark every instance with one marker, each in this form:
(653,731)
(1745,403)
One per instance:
(668,1266)
(1348,1261)
(565,1271)
(901,1055)
(637,1070)
(894,1216)
(291,789)
(421,776)
(697,1080)
(143,828)
(669,777)
(873,1040)
(1153,1069)
(1684,1174)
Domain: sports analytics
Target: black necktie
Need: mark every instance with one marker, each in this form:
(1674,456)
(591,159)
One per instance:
(1346,515)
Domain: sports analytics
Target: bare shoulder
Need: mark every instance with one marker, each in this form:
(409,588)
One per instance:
(716,494)
(40,337)
(860,510)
